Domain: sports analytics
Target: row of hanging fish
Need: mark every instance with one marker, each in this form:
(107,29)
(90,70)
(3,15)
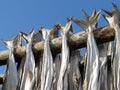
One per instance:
(98,69)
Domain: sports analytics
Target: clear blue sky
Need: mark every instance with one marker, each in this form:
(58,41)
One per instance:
(22,15)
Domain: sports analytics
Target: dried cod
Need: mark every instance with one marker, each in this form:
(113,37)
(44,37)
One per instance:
(93,62)
(62,83)
(28,75)
(74,76)
(103,66)
(56,57)
(114,21)
(91,81)
(47,64)
(11,77)
(20,65)
(38,62)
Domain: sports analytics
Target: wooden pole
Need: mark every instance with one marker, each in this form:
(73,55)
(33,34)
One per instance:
(76,41)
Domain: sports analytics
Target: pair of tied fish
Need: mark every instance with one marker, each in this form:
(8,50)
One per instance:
(93,66)
(62,83)
(12,78)
(114,21)
(47,64)
(48,69)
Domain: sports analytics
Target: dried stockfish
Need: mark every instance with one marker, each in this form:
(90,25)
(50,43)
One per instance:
(109,63)
(56,71)
(103,59)
(91,81)
(116,61)
(93,22)
(21,63)
(103,67)
(29,65)
(74,71)
(38,62)
(74,77)
(11,78)
(114,22)
(47,64)
(62,83)
(92,62)
(56,61)
(82,66)
(56,57)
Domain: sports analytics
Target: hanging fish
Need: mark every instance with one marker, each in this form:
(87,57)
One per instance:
(20,64)
(62,83)
(116,61)
(56,70)
(74,77)
(109,65)
(29,65)
(102,57)
(38,72)
(56,57)
(93,61)
(38,62)
(103,66)
(91,81)
(114,22)
(74,71)
(47,63)
(11,78)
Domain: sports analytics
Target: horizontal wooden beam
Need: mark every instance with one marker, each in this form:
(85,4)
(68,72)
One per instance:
(76,41)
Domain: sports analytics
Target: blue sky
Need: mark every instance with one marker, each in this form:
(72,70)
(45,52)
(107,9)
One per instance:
(22,15)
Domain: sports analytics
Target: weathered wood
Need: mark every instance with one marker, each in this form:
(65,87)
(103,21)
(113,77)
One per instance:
(76,41)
